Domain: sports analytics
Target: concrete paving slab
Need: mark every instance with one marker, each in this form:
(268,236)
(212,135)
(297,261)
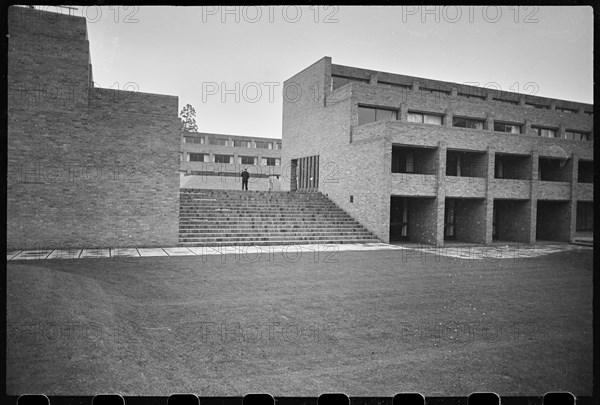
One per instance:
(150,252)
(179,251)
(10,255)
(65,254)
(32,255)
(94,253)
(124,252)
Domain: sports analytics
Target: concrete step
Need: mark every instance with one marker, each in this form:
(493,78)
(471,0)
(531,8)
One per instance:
(294,205)
(272,221)
(270,227)
(280,239)
(284,214)
(276,243)
(259,233)
(275,210)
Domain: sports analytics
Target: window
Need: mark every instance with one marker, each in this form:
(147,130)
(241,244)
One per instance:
(423,118)
(396,85)
(578,136)
(241,144)
(247,160)
(471,96)
(271,161)
(372,114)
(540,106)
(217,141)
(434,91)
(278,146)
(223,159)
(508,128)
(545,132)
(469,123)
(197,157)
(193,139)
(339,81)
(590,113)
(264,145)
(585,171)
(567,110)
(410,166)
(413,160)
(502,100)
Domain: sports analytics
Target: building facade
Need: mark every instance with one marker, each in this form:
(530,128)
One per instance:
(429,161)
(87,167)
(215,161)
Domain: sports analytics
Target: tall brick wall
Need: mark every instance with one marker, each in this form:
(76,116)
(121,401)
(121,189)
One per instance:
(87,167)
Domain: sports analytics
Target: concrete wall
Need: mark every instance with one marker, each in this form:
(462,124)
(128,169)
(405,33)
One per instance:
(95,169)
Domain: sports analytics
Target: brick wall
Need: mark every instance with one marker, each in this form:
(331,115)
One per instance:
(98,169)
(423,219)
(553,220)
(514,220)
(471,220)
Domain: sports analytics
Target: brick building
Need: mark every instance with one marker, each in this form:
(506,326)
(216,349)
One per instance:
(87,167)
(430,161)
(215,161)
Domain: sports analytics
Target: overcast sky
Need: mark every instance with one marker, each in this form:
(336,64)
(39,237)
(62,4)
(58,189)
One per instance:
(182,51)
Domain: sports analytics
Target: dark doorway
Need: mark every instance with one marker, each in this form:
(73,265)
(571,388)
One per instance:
(585,216)
(399,219)
(450,220)
(293,175)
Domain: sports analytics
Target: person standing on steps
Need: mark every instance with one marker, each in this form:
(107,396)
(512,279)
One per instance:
(245,176)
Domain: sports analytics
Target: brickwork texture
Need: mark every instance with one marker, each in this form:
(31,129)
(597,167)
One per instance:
(87,167)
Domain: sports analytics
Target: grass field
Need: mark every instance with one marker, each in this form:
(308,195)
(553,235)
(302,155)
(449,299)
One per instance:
(371,323)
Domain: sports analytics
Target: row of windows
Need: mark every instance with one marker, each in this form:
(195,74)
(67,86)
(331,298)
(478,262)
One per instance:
(244,160)
(339,81)
(235,143)
(373,114)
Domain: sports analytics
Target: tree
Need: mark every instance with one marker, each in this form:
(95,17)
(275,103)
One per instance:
(188,120)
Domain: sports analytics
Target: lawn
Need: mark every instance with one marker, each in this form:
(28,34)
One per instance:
(369,323)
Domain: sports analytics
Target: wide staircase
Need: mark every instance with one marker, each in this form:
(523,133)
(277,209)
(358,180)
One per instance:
(245,218)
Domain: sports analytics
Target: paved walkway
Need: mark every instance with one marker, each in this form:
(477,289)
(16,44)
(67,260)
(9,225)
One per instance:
(476,252)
